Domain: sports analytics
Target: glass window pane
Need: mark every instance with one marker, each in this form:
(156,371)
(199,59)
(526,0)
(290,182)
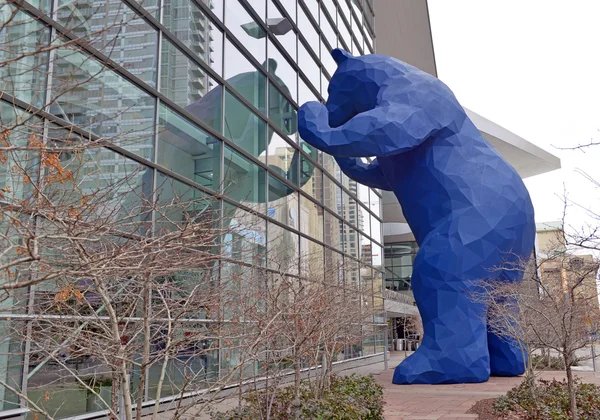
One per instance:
(309,66)
(333,231)
(11,359)
(282,72)
(283,32)
(246,29)
(117,31)
(244,77)
(20,130)
(324,86)
(312,259)
(244,127)
(98,100)
(187,150)
(326,28)
(334,267)
(311,218)
(216,6)
(178,204)
(112,185)
(259,7)
(282,157)
(344,9)
(332,196)
(281,112)
(245,240)
(377,256)
(283,249)
(283,203)
(244,181)
(308,30)
(304,93)
(327,59)
(24,69)
(345,34)
(193,28)
(351,241)
(288,5)
(313,8)
(364,220)
(311,179)
(189,86)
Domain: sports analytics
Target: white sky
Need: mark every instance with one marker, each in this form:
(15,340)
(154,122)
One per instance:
(532,66)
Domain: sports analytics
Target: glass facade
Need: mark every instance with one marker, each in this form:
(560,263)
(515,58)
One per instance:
(399,258)
(199,97)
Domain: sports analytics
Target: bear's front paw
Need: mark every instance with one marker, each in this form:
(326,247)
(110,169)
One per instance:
(313,114)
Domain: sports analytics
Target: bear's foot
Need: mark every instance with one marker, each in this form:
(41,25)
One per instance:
(506,357)
(442,367)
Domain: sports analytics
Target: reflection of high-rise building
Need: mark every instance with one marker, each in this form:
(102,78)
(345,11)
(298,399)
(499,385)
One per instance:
(200,97)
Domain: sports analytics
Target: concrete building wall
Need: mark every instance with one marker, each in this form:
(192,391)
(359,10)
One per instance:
(403,31)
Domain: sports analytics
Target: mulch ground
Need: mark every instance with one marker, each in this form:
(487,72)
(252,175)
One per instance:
(485,409)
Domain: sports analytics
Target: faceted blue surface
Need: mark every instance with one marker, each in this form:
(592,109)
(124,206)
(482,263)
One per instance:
(467,207)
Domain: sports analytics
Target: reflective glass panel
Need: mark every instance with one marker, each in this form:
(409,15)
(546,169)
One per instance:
(98,100)
(282,113)
(24,66)
(192,27)
(305,94)
(245,239)
(189,86)
(117,31)
(327,28)
(311,218)
(244,127)
(312,260)
(244,77)
(244,181)
(111,185)
(187,150)
(311,179)
(309,66)
(281,70)
(245,29)
(281,29)
(333,231)
(282,157)
(179,204)
(283,244)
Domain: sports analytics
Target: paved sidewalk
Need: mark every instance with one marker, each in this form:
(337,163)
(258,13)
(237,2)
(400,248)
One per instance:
(447,402)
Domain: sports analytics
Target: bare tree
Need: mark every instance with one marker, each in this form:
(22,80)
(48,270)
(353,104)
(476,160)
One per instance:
(555,307)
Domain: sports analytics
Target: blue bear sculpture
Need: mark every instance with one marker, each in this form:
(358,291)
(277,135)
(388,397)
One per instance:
(467,207)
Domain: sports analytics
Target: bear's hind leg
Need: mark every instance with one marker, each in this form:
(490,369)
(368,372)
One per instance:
(507,356)
(454,347)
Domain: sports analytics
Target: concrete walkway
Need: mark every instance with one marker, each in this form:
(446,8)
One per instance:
(447,402)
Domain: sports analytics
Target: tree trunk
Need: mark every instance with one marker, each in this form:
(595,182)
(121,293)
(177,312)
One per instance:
(571,387)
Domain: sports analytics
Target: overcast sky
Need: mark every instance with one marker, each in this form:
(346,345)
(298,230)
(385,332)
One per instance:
(533,67)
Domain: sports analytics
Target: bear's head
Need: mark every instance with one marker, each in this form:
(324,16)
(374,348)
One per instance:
(355,85)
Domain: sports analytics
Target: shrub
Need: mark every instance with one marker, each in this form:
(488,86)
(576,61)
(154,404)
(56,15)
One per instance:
(550,400)
(540,362)
(348,398)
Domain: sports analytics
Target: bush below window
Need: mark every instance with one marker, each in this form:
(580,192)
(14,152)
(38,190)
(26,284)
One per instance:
(549,400)
(350,397)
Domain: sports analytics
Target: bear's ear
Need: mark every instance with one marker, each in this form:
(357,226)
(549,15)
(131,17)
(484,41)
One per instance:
(340,55)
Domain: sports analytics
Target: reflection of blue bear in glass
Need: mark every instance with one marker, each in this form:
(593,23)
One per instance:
(469,210)
(240,125)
